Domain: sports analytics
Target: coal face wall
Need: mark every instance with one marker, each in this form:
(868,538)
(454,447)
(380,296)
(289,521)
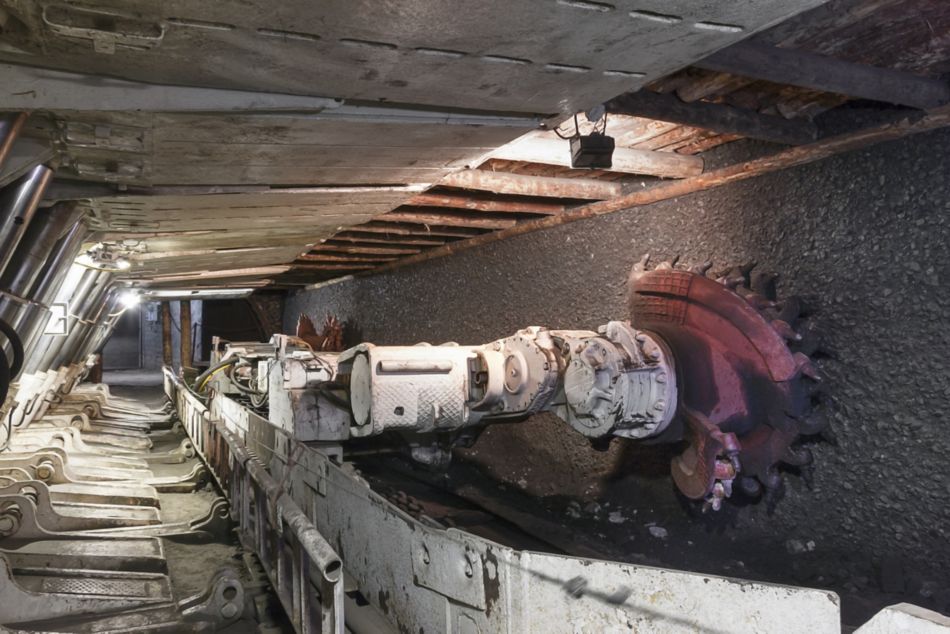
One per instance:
(864,238)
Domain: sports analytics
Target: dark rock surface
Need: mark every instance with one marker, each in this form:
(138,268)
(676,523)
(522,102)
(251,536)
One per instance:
(864,238)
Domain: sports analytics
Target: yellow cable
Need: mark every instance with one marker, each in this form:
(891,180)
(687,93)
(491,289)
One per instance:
(210,376)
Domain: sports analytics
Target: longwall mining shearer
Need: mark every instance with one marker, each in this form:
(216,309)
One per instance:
(705,362)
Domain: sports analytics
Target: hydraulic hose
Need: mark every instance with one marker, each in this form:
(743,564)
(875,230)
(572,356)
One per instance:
(205,376)
(243,389)
(14,367)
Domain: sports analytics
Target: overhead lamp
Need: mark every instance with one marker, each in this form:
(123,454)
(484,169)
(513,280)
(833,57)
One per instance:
(130,299)
(594,150)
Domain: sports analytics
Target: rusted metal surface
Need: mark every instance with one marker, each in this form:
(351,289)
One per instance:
(746,389)
(330,337)
(10,126)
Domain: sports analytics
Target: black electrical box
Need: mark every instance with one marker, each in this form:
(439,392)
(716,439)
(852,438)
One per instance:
(592,151)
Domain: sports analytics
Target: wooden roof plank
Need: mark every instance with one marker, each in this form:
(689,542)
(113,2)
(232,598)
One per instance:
(788,158)
(713,116)
(828,74)
(521,185)
(548,151)
(446,219)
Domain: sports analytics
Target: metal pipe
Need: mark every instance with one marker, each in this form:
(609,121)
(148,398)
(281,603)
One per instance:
(35,248)
(18,203)
(10,125)
(99,333)
(60,270)
(41,357)
(91,311)
(57,266)
(37,342)
(48,282)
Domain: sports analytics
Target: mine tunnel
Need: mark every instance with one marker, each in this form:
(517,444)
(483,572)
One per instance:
(500,317)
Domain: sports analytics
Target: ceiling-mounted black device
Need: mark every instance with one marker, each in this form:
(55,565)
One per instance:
(594,150)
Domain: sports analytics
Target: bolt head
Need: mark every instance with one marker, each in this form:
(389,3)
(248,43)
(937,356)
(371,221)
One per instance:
(229,610)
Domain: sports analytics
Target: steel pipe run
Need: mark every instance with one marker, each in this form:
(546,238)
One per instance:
(98,334)
(10,126)
(18,203)
(49,280)
(36,247)
(78,297)
(100,300)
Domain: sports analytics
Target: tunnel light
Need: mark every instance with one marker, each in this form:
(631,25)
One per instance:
(130,299)
(594,150)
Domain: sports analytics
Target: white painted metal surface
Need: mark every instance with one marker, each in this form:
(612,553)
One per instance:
(905,618)
(543,56)
(424,578)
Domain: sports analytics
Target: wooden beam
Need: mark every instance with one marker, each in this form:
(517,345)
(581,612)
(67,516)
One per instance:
(791,157)
(552,151)
(521,185)
(255,271)
(391,228)
(485,203)
(828,74)
(329,258)
(713,116)
(167,354)
(234,281)
(374,238)
(317,266)
(184,320)
(447,219)
(366,250)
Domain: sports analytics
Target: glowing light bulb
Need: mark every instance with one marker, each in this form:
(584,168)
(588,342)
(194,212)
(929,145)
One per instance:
(130,299)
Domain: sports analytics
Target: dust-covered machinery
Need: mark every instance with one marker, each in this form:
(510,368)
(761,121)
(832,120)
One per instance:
(702,360)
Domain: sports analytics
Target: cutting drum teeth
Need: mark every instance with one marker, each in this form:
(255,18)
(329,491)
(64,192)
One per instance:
(743,359)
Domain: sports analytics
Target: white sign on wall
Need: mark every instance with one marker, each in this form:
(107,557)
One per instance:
(58,324)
